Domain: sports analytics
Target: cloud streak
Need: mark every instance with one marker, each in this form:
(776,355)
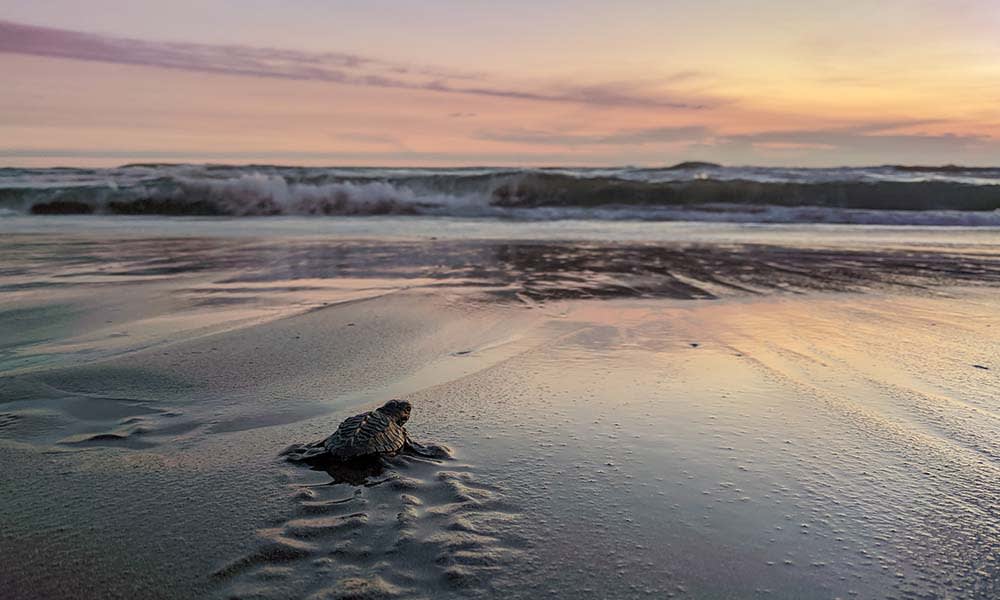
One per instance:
(652,135)
(872,135)
(870,138)
(874,142)
(332,67)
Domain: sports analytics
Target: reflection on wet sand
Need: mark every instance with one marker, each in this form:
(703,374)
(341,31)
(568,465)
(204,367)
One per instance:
(616,433)
(89,298)
(539,270)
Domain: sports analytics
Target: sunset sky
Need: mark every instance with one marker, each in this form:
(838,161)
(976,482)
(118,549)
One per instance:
(472,82)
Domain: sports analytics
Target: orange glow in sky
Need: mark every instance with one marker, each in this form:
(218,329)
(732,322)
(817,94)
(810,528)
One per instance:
(480,83)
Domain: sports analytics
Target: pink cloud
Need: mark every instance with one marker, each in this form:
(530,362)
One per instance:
(334,67)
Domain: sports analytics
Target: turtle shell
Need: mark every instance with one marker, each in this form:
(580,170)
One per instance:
(365,435)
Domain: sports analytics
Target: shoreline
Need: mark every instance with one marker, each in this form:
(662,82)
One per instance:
(418,228)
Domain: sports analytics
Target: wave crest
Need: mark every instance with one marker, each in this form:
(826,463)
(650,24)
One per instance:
(260,194)
(717,194)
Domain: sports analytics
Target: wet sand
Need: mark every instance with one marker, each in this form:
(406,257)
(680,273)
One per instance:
(640,420)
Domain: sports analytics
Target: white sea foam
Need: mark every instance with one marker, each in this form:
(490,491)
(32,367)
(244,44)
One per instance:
(259,193)
(875,195)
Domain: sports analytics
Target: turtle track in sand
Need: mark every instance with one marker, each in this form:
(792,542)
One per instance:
(38,413)
(422,529)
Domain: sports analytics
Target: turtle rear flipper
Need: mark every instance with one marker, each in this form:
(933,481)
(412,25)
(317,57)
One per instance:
(304,452)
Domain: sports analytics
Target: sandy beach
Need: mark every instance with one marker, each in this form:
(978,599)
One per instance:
(748,411)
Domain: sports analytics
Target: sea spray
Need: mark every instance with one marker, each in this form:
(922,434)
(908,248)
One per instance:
(878,195)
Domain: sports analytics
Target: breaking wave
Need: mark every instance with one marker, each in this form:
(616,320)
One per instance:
(691,191)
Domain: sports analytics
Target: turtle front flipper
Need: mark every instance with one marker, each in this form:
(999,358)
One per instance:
(429,451)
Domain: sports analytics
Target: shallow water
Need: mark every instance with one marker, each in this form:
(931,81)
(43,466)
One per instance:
(835,436)
(111,228)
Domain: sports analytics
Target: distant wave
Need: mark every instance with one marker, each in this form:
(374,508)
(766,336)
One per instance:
(691,191)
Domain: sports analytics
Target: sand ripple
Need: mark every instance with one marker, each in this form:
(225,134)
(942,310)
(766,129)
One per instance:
(422,529)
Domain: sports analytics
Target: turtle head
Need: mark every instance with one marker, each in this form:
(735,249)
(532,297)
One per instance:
(397,410)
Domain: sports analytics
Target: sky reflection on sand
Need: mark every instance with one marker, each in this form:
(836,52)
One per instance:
(702,419)
(84,296)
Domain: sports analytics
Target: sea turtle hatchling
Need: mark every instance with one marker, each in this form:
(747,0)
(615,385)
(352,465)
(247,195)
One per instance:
(380,432)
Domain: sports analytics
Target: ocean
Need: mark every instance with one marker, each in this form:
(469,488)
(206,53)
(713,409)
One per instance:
(886,195)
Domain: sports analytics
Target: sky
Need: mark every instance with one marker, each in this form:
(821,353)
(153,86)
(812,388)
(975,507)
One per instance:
(475,82)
